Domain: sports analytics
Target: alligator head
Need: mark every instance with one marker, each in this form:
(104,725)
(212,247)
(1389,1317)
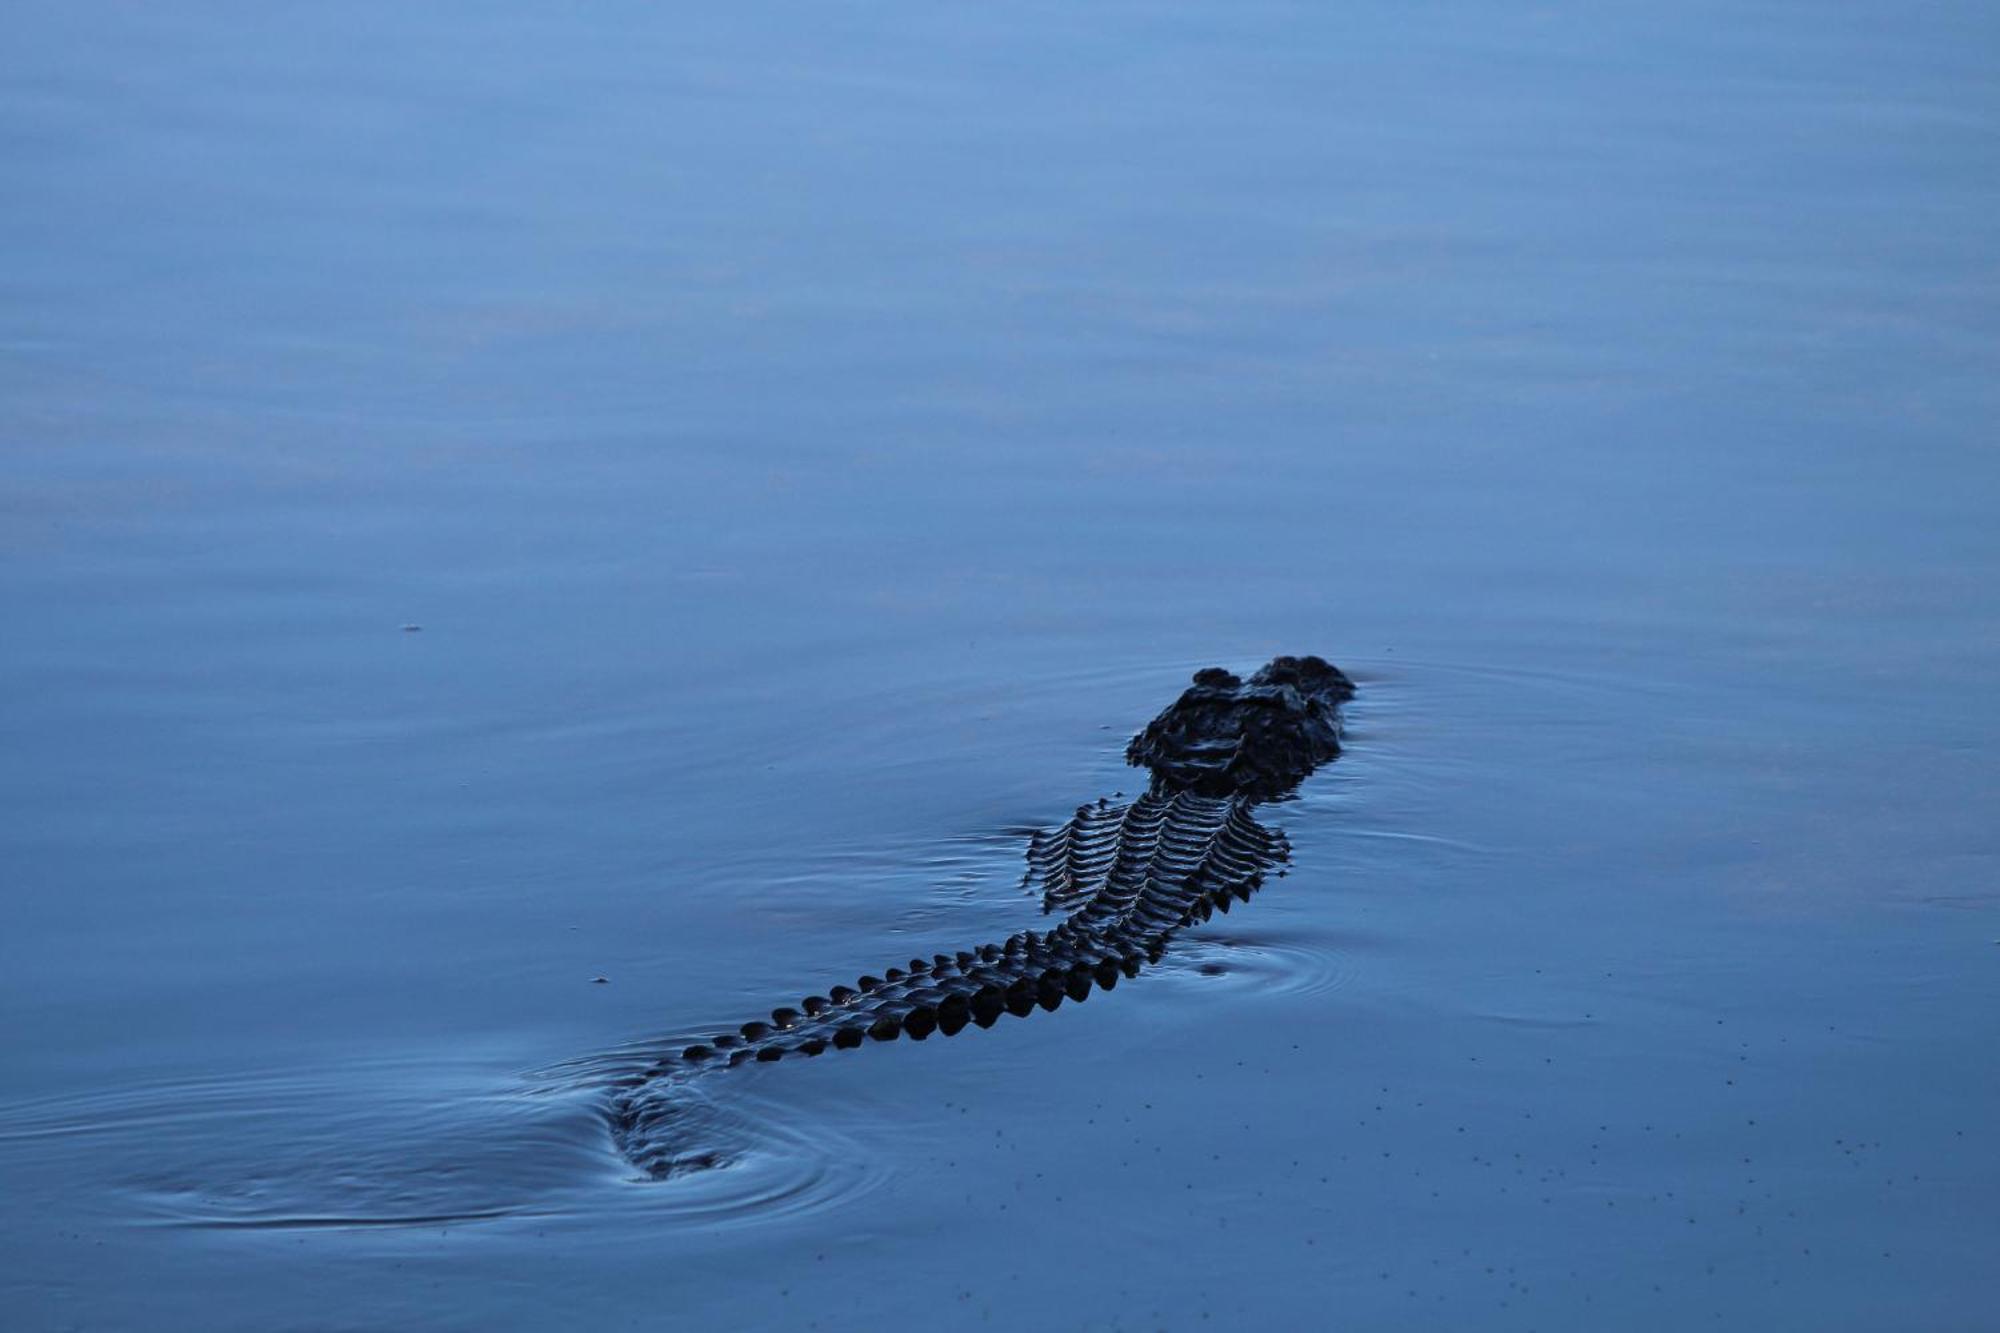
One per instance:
(1257,739)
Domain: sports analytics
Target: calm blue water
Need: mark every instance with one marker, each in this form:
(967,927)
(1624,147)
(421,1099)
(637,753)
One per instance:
(810,439)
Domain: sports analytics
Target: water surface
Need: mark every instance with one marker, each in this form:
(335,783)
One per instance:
(810,439)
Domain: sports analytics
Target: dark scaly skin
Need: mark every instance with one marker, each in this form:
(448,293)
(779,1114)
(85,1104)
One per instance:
(1129,878)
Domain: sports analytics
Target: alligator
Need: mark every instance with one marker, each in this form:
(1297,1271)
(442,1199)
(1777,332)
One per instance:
(1126,877)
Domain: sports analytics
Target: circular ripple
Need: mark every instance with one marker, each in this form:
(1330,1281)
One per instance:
(1269,965)
(737,1160)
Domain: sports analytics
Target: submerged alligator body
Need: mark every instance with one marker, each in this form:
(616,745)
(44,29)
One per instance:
(1126,877)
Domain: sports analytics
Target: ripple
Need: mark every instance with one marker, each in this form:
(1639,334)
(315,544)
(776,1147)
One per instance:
(743,1162)
(397,1143)
(377,1145)
(727,1156)
(1268,964)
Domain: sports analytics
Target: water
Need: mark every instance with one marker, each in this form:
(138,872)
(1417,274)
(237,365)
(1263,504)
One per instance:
(810,439)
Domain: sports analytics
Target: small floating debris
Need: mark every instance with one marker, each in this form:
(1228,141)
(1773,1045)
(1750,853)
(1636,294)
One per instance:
(413,629)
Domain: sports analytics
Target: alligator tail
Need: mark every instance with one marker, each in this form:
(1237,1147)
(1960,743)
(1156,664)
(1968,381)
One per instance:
(1133,876)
